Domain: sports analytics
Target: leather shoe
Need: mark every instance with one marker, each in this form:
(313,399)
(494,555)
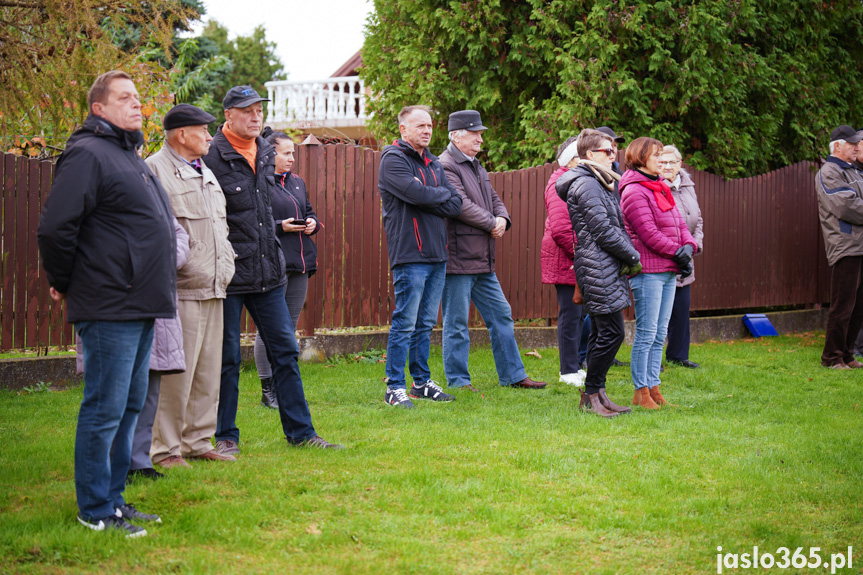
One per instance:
(212,455)
(144,473)
(173,461)
(854,364)
(684,363)
(529,384)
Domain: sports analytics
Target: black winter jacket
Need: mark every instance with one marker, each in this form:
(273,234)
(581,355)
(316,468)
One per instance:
(603,244)
(416,197)
(260,264)
(291,200)
(106,233)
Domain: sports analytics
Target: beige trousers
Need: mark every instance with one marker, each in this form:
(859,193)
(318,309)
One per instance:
(186,416)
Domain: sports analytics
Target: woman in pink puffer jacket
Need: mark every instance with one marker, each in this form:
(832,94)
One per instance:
(556,261)
(662,238)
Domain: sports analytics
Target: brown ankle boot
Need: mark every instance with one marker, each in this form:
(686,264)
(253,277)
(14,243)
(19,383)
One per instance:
(594,405)
(656,396)
(584,403)
(610,405)
(642,398)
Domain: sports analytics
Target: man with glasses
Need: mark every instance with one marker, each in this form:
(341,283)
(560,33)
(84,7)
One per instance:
(839,187)
(470,271)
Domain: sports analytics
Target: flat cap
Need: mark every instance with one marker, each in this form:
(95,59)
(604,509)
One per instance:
(609,132)
(465,120)
(846,133)
(183,115)
(241,97)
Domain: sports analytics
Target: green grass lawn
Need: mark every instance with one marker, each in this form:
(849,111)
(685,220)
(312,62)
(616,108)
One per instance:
(764,449)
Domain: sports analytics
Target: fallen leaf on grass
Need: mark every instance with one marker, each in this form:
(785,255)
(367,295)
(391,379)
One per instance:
(313,529)
(534,353)
(856,405)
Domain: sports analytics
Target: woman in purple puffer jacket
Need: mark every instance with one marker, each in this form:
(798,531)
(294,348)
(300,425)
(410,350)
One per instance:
(662,238)
(556,261)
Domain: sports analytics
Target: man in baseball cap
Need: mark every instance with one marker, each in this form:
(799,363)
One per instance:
(839,188)
(244,164)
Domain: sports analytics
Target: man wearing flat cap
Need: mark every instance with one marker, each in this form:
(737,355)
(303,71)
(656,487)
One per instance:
(244,164)
(470,272)
(186,415)
(839,187)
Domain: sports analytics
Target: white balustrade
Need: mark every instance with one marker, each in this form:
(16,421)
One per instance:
(333,101)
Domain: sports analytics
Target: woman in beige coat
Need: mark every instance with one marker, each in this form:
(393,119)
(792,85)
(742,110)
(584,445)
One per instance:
(683,190)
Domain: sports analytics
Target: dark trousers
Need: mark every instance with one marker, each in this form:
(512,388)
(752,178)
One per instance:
(846,310)
(678,326)
(583,351)
(270,314)
(569,322)
(606,337)
(144,429)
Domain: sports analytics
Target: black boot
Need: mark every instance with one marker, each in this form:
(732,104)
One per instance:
(268,394)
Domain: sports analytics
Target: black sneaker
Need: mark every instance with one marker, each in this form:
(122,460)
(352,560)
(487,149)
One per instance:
(430,390)
(397,397)
(113,523)
(129,513)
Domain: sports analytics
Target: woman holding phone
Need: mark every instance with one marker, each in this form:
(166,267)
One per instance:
(295,221)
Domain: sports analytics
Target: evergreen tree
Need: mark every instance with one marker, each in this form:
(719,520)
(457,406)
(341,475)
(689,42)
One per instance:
(740,86)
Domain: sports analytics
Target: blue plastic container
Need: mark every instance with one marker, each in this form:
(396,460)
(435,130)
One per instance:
(759,325)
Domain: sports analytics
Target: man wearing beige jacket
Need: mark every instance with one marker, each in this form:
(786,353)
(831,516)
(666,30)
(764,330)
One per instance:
(186,416)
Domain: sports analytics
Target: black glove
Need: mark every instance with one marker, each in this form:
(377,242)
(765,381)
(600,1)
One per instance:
(686,269)
(683,254)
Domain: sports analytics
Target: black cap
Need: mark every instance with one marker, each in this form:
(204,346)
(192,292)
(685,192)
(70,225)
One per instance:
(465,120)
(846,133)
(609,132)
(183,115)
(241,97)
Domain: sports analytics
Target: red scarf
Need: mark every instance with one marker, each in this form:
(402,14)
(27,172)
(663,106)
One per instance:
(661,192)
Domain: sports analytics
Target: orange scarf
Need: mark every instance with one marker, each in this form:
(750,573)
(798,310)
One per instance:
(246,148)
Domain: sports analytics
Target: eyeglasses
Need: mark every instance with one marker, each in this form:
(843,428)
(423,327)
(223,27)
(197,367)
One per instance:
(669,163)
(609,151)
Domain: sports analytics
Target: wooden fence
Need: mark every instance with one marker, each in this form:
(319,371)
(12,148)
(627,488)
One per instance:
(763,245)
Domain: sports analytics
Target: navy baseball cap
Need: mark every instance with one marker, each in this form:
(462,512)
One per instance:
(241,97)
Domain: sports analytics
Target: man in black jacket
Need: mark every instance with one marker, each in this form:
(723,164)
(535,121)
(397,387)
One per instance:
(244,164)
(106,236)
(415,199)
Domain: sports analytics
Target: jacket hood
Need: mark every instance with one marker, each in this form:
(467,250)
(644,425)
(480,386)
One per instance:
(95,126)
(561,186)
(405,148)
(633,177)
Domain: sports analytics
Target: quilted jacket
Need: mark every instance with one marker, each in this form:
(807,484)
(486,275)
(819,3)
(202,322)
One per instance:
(557,251)
(603,245)
(657,235)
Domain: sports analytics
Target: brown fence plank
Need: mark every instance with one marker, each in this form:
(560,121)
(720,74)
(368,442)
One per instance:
(21,188)
(32,338)
(45,304)
(8,237)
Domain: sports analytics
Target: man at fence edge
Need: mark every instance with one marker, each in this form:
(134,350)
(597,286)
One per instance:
(106,236)
(186,414)
(839,187)
(415,200)
(244,165)
(470,269)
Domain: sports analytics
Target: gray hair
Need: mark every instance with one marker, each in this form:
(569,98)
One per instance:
(456,134)
(408,110)
(835,143)
(670,149)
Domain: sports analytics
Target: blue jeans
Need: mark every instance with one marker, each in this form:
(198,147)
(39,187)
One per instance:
(484,290)
(116,366)
(275,327)
(654,299)
(418,289)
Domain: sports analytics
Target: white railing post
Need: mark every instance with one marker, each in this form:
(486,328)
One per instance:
(339,99)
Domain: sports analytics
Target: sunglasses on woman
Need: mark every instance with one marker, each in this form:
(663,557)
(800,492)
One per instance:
(608,151)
